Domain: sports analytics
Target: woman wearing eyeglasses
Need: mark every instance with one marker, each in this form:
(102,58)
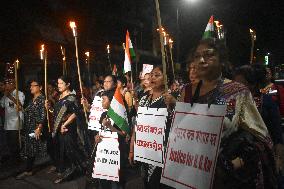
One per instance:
(34,116)
(245,158)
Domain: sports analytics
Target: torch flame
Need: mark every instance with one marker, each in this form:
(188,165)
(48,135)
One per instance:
(17,64)
(108,49)
(73,27)
(41,51)
(72,24)
(217,23)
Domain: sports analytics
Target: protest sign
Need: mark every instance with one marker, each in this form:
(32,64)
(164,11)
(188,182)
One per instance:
(193,144)
(107,161)
(147,68)
(96,112)
(150,132)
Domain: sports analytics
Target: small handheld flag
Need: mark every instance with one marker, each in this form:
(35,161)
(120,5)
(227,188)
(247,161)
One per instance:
(209,31)
(117,111)
(129,53)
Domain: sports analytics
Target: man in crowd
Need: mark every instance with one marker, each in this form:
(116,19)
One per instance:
(13,117)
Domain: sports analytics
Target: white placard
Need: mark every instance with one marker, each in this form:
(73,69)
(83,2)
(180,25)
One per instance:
(147,68)
(150,132)
(95,115)
(193,144)
(107,161)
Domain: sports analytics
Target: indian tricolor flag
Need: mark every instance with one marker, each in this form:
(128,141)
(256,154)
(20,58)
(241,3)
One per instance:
(129,52)
(209,31)
(114,70)
(117,112)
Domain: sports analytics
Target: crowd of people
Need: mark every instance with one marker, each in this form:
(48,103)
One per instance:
(251,149)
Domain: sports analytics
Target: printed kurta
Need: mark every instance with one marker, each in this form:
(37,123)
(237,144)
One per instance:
(34,115)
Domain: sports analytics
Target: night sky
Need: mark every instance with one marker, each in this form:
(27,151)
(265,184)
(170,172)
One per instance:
(100,22)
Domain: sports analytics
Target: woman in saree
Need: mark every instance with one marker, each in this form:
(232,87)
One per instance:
(66,118)
(245,158)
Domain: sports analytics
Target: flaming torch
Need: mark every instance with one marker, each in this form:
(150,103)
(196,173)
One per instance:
(43,57)
(253,38)
(16,66)
(74,30)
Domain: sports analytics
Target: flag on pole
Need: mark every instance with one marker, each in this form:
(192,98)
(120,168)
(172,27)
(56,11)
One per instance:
(114,70)
(129,52)
(117,112)
(209,31)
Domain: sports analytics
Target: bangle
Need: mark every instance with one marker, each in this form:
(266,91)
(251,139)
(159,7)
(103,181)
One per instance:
(51,111)
(131,152)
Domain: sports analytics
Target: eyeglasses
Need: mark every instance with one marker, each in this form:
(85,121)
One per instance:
(206,55)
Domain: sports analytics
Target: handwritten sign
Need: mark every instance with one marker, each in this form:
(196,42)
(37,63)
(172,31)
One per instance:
(107,161)
(150,132)
(96,112)
(147,68)
(193,144)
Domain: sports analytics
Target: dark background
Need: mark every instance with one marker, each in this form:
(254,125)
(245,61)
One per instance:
(25,24)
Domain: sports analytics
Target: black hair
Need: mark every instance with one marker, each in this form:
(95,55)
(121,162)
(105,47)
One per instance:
(159,66)
(220,47)
(37,80)
(123,80)
(53,83)
(109,94)
(101,82)
(67,80)
(260,75)
(247,72)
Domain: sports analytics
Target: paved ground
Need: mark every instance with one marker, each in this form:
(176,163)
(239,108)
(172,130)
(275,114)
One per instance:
(40,180)
(43,180)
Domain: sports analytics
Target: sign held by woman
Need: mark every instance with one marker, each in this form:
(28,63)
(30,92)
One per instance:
(192,149)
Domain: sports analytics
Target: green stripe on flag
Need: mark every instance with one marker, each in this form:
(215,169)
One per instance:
(132,53)
(208,34)
(119,121)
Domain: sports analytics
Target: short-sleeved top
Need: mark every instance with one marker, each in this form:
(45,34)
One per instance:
(11,115)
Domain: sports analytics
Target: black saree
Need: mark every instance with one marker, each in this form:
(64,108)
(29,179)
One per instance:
(71,152)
